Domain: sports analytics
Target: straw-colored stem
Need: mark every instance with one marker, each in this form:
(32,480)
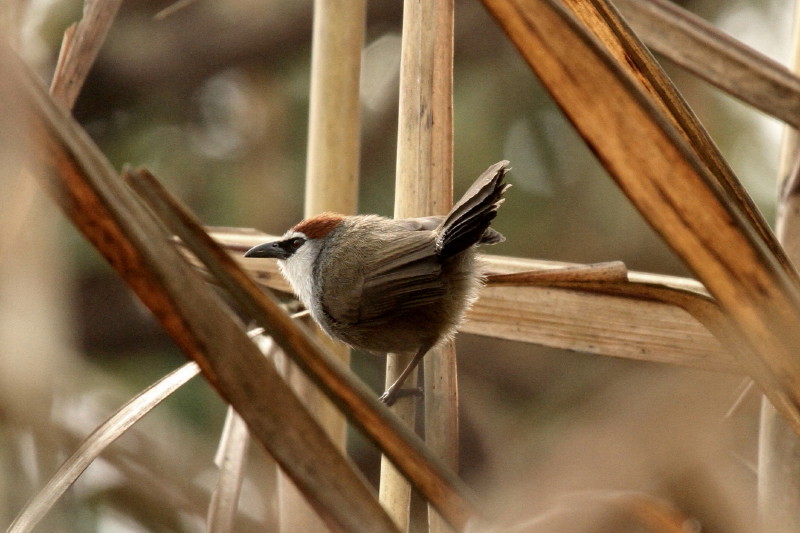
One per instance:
(424,170)
(394,491)
(334,118)
(331,185)
(441,416)
(441,383)
(779,445)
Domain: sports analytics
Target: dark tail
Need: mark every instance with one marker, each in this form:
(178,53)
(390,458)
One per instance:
(468,221)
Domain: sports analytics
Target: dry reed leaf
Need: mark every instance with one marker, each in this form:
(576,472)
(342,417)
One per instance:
(87,189)
(642,316)
(612,271)
(173,8)
(99,440)
(635,508)
(664,178)
(778,446)
(230,460)
(79,49)
(716,57)
(604,22)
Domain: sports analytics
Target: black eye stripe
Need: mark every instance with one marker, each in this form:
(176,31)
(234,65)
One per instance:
(295,243)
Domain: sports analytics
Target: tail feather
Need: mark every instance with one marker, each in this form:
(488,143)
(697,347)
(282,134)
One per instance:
(468,221)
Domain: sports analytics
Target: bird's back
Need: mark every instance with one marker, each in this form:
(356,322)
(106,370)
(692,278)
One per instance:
(385,292)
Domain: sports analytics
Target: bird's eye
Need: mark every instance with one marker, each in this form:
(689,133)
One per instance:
(296,243)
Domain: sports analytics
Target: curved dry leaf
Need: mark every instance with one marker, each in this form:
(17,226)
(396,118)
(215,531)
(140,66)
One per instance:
(639,316)
(597,510)
(85,186)
(99,440)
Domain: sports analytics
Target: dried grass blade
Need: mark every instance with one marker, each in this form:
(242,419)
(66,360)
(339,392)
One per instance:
(602,508)
(81,181)
(604,22)
(716,57)
(442,488)
(173,8)
(99,440)
(778,445)
(79,49)
(610,271)
(654,514)
(231,458)
(671,187)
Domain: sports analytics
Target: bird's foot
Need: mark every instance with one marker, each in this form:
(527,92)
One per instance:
(393,394)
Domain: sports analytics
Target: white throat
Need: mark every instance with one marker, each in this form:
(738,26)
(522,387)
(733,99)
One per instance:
(299,271)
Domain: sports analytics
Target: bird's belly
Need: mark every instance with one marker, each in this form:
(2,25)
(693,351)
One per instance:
(402,332)
(398,335)
(409,330)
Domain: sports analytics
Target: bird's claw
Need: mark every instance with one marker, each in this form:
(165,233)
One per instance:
(392,395)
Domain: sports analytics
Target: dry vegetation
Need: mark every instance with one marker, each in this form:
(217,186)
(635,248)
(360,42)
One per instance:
(589,397)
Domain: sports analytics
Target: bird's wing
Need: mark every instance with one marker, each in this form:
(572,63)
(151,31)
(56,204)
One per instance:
(421,223)
(403,276)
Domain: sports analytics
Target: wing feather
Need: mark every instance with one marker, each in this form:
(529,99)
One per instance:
(405,275)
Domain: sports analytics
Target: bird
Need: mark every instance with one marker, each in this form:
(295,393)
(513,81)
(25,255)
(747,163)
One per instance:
(392,285)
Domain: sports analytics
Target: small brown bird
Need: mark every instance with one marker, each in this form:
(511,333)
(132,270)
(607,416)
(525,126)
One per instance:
(391,285)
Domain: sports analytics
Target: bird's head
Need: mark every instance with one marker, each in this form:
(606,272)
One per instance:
(314,229)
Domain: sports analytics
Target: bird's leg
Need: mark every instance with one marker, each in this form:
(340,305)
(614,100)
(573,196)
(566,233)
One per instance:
(394,391)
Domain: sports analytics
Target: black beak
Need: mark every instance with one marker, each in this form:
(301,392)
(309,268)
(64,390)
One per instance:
(276,249)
